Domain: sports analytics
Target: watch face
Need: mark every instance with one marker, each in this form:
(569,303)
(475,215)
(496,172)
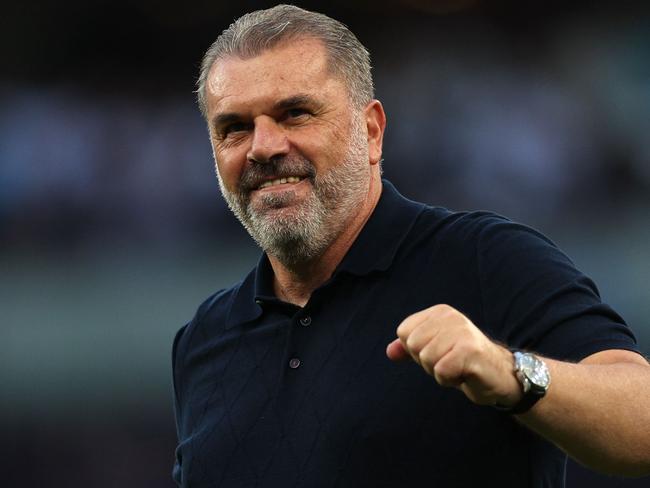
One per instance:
(534,369)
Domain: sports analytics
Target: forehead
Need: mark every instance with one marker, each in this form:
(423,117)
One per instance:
(279,72)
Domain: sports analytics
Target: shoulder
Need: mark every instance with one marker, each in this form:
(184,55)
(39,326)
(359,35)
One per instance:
(477,223)
(214,308)
(477,233)
(503,249)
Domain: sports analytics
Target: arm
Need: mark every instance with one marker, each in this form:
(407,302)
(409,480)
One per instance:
(598,411)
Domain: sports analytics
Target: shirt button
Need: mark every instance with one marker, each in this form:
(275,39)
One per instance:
(305,321)
(294,363)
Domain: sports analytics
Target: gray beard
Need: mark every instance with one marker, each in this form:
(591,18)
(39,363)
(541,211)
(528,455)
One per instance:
(302,234)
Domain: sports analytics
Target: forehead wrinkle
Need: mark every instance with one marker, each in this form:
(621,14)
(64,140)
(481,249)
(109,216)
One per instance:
(268,76)
(310,48)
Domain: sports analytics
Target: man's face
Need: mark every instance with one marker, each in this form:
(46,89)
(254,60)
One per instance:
(291,153)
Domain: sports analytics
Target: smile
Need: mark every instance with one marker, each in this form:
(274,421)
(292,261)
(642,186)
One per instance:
(280,181)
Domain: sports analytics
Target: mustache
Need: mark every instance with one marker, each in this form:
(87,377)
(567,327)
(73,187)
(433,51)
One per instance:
(282,167)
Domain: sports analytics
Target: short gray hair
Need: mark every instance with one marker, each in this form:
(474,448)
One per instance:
(257,31)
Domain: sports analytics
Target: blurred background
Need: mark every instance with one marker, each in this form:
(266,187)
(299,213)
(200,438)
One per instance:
(112,229)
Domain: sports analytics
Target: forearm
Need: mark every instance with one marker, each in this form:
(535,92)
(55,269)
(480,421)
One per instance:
(599,414)
(598,411)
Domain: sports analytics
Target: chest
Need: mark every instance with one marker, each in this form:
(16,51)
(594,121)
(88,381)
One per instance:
(299,392)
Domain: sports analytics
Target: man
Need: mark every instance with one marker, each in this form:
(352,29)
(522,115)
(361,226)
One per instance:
(283,380)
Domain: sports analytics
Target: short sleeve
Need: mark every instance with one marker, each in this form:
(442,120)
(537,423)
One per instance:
(534,298)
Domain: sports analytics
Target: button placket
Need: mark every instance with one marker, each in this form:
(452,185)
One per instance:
(305,321)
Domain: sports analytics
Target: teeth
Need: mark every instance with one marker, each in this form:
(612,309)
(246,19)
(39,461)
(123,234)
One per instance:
(280,181)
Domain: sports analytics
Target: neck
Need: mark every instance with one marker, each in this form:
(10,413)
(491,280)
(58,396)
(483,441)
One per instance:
(295,283)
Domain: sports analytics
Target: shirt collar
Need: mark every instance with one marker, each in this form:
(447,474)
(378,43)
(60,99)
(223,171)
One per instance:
(373,250)
(251,293)
(376,245)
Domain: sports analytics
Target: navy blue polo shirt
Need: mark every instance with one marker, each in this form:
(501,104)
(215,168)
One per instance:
(269,394)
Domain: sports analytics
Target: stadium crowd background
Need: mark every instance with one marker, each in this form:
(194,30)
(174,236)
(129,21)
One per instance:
(112,230)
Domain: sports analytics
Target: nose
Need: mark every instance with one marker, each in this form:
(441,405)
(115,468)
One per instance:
(269,140)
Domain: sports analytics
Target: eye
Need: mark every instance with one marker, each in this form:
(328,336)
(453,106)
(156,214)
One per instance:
(232,133)
(234,128)
(295,113)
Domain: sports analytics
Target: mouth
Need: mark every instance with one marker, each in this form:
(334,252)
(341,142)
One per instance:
(280,181)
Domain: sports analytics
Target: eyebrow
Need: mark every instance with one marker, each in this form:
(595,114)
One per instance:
(220,120)
(226,118)
(295,100)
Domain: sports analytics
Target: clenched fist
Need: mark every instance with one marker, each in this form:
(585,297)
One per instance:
(456,353)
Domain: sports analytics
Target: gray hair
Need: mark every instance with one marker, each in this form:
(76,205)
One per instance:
(257,31)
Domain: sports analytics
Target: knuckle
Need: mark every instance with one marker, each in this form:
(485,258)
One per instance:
(412,344)
(426,356)
(446,313)
(442,375)
(440,370)
(443,309)
(404,329)
(425,360)
(429,358)
(436,311)
(469,347)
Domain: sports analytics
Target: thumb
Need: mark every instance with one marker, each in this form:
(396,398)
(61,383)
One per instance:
(396,352)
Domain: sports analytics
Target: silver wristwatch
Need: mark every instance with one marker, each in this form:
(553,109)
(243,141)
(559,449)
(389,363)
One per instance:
(534,377)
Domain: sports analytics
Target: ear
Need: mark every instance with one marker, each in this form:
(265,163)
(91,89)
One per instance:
(376,124)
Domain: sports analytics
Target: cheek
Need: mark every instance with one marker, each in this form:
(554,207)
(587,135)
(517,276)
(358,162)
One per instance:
(230,166)
(323,150)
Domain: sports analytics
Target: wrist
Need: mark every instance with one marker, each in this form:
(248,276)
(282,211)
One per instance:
(512,391)
(533,378)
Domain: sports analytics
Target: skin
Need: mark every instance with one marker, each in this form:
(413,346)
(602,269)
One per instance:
(251,118)
(597,410)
